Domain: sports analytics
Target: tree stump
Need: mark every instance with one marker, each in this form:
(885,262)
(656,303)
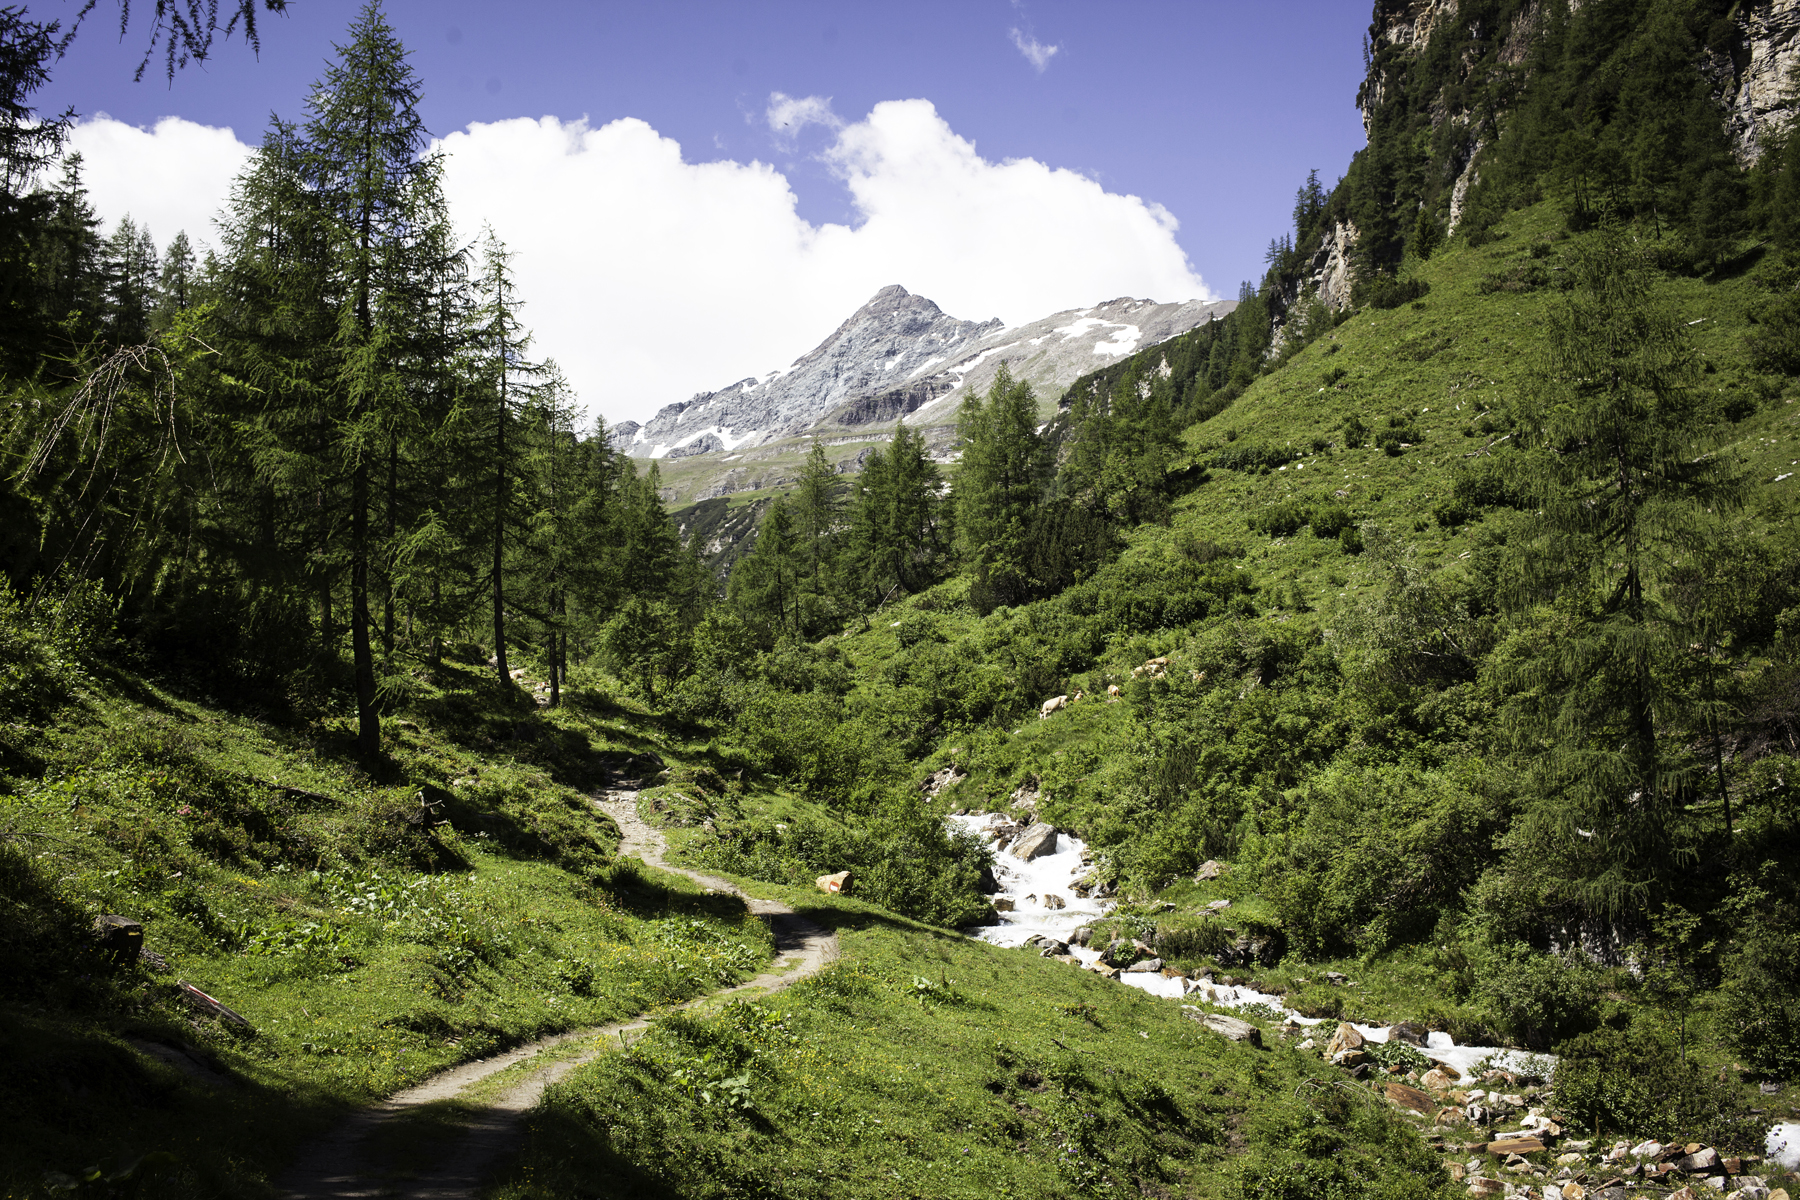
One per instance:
(120,938)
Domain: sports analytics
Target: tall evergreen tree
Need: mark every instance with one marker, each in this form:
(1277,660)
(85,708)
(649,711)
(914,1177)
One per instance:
(999,479)
(510,380)
(175,282)
(1624,484)
(364,140)
(132,274)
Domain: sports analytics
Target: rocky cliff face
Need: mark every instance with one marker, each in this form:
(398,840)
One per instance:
(1751,78)
(900,356)
(1754,79)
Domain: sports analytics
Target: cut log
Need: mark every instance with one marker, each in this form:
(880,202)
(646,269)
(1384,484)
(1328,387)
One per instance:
(206,1003)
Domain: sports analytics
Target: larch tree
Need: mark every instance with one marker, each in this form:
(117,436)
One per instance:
(1625,480)
(511,381)
(365,141)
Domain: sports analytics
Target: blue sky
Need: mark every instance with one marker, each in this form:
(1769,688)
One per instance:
(1209,113)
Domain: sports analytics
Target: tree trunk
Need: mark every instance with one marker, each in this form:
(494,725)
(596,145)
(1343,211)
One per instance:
(368,724)
(393,500)
(437,630)
(500,668)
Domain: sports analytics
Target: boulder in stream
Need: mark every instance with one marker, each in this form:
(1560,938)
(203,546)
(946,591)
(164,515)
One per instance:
(1038,840)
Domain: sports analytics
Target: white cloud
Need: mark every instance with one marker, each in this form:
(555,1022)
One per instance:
(1035,52)
(788,115)
(650,278)
(173,177)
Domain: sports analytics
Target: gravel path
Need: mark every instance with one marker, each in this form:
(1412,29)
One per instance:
(338,1167)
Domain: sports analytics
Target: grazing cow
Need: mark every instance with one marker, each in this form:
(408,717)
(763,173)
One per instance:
(1112,692)
(1051,705)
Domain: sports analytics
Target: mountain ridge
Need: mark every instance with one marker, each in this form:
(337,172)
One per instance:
(899,355)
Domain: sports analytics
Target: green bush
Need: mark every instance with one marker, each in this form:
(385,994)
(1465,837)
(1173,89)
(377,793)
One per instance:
(902,858)
(1198,941)
(1636,1081)
(1281,520)
(1541,999)
(1760,1004)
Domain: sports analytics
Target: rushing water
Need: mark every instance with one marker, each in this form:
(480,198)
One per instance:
(1027,884)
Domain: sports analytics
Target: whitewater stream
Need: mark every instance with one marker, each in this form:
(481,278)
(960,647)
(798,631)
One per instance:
(1027,884)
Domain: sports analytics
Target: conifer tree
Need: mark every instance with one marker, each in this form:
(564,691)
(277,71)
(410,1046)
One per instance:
(69,255)
(1624,484)
(175,282)
(999,479)
(766,582)
(815,503)
(132,273)
(510,380)
(364,139)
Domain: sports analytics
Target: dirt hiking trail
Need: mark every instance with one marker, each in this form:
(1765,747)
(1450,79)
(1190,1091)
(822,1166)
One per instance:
(487,1123)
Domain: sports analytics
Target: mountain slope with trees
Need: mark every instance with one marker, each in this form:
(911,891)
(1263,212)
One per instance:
(1447,593)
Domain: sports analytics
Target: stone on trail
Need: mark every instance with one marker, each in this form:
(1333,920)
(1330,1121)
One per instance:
(836,883)
(1038,840)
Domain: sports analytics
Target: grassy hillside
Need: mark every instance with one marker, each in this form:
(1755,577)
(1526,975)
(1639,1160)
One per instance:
(361,942)
(928,1065)
(1337,719)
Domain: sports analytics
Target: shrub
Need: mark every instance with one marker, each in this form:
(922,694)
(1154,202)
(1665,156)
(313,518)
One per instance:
(1331,521)
(1760,1003)
(1280,520)
(1540,998)
(1387,292)
(1253,458)
(1636,1081)
(1200,941)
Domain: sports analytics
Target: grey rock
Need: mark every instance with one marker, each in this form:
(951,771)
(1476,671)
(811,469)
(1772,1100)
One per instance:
(1118,953)
(1701,1161)
(1147,966)
(1410,1032)
(1230,1028)
(1038,840)
(1210,869)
